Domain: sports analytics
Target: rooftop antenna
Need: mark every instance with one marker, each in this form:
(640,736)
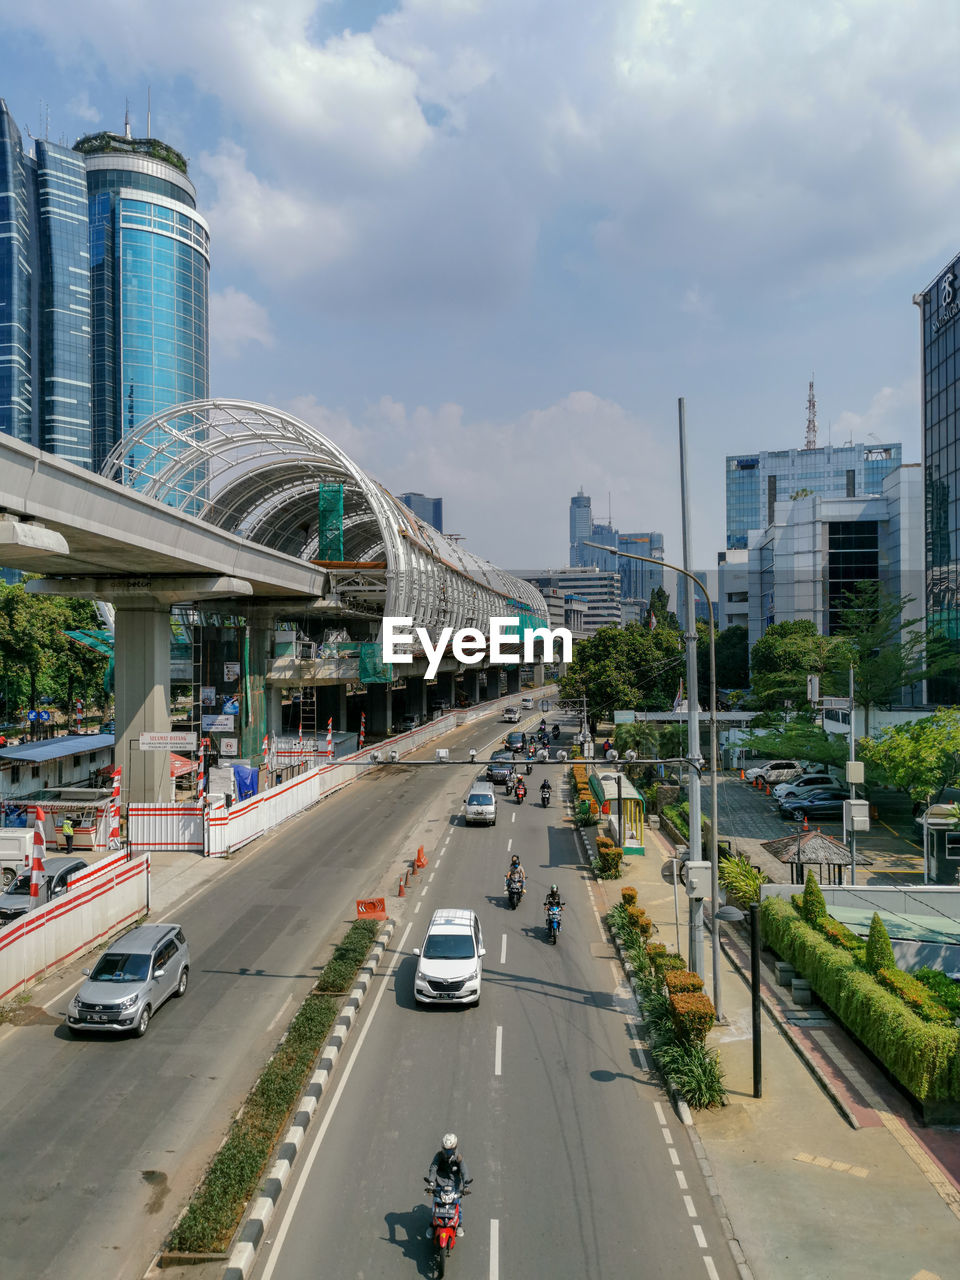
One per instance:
(126,121)
(811,441)
(148,112)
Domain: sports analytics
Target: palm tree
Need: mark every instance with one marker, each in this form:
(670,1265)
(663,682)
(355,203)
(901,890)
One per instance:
(641,737)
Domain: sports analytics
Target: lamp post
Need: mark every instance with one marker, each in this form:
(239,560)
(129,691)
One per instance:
(714,859)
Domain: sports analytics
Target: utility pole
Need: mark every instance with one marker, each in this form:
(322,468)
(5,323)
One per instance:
(853,789)
(695,948)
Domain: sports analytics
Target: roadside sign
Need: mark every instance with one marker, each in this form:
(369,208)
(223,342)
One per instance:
(216,724)
(44,715)
(624,717)
(371,909)
(179,741)
(836,704)
(31,716)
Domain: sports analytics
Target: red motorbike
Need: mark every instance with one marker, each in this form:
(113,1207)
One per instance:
(446,1221)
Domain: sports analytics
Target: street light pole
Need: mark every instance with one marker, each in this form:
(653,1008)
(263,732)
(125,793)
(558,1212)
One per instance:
(714,857)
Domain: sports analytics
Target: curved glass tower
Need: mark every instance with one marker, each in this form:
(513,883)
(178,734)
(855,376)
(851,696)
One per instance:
(149,275)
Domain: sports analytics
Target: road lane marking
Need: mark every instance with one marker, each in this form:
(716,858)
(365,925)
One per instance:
(513,817)
(509,844)
(417,907)
(494,1248)
(498,1052)
(283,1009)
(667,1136)
(699,1232)
(430,876)
(691,1211)
(280,1236)
(712,1271)
(423,892)
(674,1156)
(681,1179)
(503,951)
(659,1110)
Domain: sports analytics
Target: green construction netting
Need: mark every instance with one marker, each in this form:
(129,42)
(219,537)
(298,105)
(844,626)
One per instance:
(373,670)
(330,532)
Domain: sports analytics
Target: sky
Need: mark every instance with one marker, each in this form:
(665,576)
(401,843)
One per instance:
(486,245)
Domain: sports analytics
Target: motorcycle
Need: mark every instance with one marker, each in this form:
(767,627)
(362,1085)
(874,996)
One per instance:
(509,784)
(520,791)
(553,923)
(446,1220)
(545,796)
(556,732)
(529,767)
(514,888)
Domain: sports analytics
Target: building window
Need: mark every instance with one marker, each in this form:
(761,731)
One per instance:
(14,775)
(771,497)
(851,484)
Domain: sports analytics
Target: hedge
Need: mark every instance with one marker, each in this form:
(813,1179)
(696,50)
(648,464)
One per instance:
(923,1056)
(693,1015)
(677,980)
(914,994)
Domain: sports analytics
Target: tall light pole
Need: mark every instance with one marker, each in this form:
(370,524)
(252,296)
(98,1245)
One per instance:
(714,858)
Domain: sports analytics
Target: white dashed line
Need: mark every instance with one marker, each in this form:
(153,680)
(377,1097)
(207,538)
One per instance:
(417,907)
(681,1179)
(503,950)
(509,844)
(494,1248)
(423,892)
(674,1155)
(659,1111)
(513,817)
(498,1052)
(712,1271)
(430,877)
(688,1202)
(701,1236)
(667,1137)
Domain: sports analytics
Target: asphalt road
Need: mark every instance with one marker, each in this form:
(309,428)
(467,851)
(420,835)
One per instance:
(580,1166)
(104,1139)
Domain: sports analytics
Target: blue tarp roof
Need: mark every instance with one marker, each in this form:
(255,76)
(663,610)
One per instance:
(74,744)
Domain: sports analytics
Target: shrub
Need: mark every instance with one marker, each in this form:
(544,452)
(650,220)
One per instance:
(629,895)
(695,1071)
(919,998)
(741,881)
(608,863)
(923,1056)
(945,989)
(604,842)
(841,936)
(677,980)
(693,1015)
(665,961)
(879,947)
(814,907)
(635,915)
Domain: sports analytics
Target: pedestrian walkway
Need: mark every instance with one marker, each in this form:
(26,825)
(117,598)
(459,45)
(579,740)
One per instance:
(827,1174)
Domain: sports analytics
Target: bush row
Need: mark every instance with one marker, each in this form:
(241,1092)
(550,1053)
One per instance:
(923,1056)
(218,1204)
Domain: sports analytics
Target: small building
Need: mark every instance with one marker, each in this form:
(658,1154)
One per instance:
(76,759)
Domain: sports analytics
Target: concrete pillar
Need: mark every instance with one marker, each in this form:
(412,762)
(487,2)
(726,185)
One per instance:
(513,680)
(493,684)
(415,697)
(447,687)
(142,684)
(471,684)
(379,708)
(331,703)
(274,710)
(538,675)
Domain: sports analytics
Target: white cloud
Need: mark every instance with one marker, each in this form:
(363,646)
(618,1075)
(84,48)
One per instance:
(81,107)
(889,418)
(237,321)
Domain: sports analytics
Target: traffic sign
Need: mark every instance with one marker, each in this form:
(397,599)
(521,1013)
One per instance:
(44,715)
(836,704)
(31,716)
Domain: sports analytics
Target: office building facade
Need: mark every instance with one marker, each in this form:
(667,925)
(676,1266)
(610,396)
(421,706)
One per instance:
(44,296)
(593,595)
(939,307)
(756,482)
(733,609)
(427,509)
(581,528)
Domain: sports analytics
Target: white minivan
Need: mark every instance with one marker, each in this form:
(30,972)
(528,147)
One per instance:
(481,805)
(450,963)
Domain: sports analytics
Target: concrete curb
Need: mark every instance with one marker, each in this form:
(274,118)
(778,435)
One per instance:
(799,1048)
(253,1230)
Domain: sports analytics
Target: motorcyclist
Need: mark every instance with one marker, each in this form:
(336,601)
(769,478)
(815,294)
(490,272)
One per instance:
(545,786)
(552,900)
(520,790)
(514,871)
(555,731)
(449,1166)
(543,725)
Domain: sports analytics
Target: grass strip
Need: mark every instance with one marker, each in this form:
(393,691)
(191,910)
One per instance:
(219,1202)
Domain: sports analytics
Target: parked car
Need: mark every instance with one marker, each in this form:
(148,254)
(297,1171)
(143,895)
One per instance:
(516,741)
(130,981)
(801,785)
(773,771)
(511,715)
(15,900)
(408,723)
(481,805)
(440,704)
(500,769)
(826,803)
(450,963)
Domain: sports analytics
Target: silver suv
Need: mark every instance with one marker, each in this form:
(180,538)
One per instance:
(132,980)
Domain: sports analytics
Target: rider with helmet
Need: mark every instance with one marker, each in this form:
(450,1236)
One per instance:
(449,1166)
(515,871)
(552,900)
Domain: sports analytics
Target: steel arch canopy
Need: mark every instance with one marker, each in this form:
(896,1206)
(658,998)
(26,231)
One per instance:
(256,472)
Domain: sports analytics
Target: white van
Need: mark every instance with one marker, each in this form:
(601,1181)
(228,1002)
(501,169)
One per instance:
(481,805)
(511,715)
(450,962)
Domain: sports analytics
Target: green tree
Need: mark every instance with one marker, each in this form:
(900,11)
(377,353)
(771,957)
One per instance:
(921,758)
(890,650)
(786,654)
(641,737)
(879,947)
(813,906)
(660,608)
(800,739)
(732,652)
(630,668)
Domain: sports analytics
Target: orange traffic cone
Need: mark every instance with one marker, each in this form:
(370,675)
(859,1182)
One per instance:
(414,870)
(742,775)
(421,860)
(768,788)
(402,893)
(806,824)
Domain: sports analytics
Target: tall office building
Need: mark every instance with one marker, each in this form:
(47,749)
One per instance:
(940,336)
(638,579)
(149,271)
(756,482)
(44,296)
(428,509)
(581,527)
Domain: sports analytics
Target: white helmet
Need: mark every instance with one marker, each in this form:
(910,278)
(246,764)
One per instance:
(449,1142)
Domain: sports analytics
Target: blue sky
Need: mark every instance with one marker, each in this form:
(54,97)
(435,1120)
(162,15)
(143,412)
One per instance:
(486,244)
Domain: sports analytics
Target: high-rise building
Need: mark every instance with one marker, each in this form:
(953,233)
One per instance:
(581,527)
(428,509)
(44,296)
(594,593)
(757,481)
(150,271)
(940,337)
(638,580)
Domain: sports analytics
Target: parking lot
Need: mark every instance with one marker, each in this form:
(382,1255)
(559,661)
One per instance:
(748,816)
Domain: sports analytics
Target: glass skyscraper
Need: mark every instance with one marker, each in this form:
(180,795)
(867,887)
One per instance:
(940,308)
(638,580)
(149,270)
(44,296)
(581,526)
(755,482)
(428,509)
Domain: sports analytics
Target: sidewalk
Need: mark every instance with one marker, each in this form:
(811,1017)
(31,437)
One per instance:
(827,1174)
